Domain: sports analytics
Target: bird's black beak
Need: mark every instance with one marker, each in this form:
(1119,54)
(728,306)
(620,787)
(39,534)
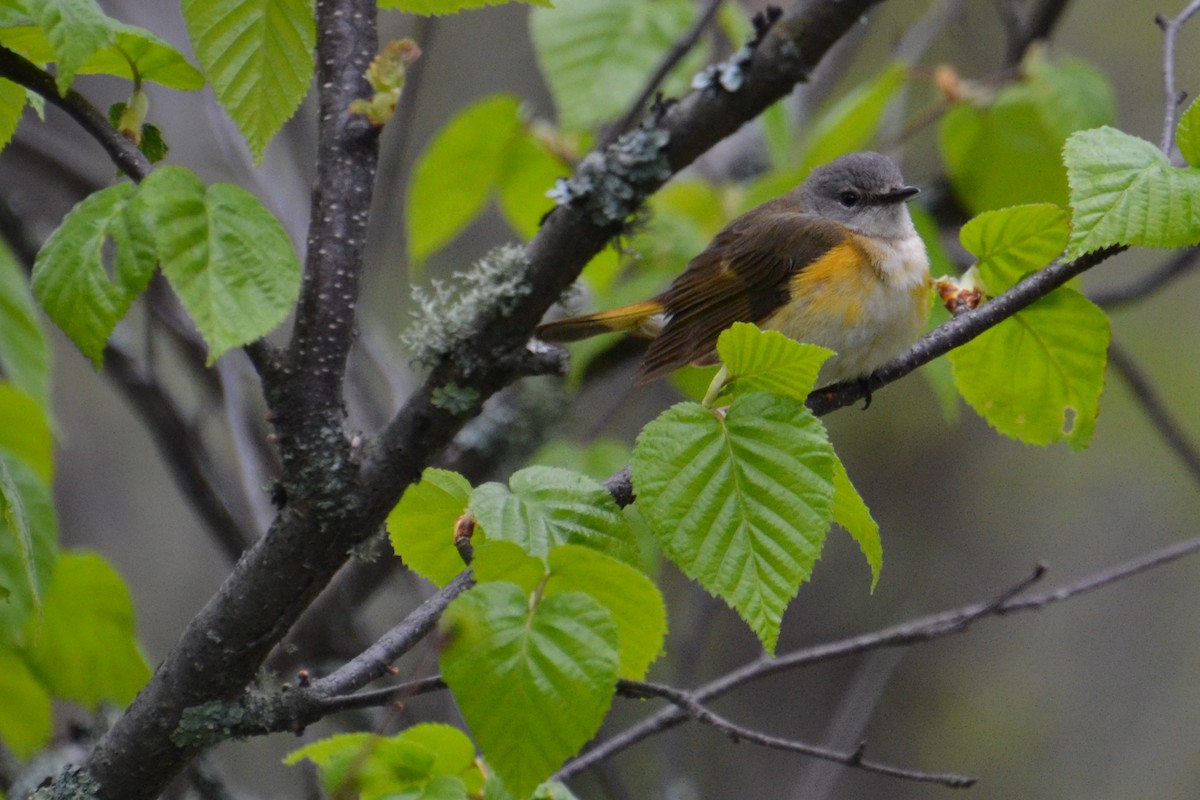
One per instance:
(903,194)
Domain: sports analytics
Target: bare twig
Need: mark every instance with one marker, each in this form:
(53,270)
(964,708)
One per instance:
(682,46)
(687,703)
(1172,96)
(1156,410)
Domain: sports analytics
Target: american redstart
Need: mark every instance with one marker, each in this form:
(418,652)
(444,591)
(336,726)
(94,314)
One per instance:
(835,262)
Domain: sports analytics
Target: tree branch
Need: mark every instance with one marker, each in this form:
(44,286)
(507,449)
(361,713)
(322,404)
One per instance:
(1172,96)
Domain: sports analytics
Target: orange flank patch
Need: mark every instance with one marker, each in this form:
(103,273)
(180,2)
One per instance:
(835,285)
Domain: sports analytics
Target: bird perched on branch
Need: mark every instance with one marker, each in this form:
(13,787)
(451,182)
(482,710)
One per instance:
(835,262)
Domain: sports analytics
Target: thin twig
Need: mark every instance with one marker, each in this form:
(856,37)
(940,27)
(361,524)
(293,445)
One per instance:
(1155,408)
(1172,96)
(1177,266)
(682,46)
(687,702)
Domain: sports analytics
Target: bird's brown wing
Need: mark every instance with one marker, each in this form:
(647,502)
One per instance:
(744,275)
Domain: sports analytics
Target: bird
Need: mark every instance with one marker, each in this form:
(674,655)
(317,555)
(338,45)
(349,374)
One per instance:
(835,262)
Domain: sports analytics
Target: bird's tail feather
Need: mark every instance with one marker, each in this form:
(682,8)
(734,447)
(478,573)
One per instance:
(636,319)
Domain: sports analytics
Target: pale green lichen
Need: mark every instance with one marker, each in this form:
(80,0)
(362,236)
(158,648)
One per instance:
(610,185)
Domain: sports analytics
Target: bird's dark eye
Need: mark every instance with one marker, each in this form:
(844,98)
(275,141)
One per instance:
(848,199)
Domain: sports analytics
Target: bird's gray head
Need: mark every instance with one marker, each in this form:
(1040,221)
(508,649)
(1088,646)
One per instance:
(863,191)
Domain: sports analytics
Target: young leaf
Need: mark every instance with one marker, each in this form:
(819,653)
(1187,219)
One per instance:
(1124,191)
(17,537)
(228,258)
(472,147)
(542,507)
(852,513)
(75,28)
(258,55)
(1013,241)
(636,604)
(85,648)
(12,103)
(438,7)
(851,123)
(1010,152)
(596,54)
(1038,376)
(26,723)
(534,683)
(1187,134)
(770,361)
(25,434)
(421,526)
(69,276)
(529,171)
(740,501)
(24,354)
(506,561)
(20,556)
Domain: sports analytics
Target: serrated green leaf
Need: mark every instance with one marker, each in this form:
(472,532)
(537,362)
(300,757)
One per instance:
(85,648)
(852,513)
(24,354)
(429,761)
(421,526)
(542,507)
(741,501)
(852,122)
(70,279)
(24,597)
(227,257)
(1125,191)
(12,103)
(506,561)
(1187,134)
(636,604)
(439,7)
(547,672)
(1038,376)
(769,361)
(1013,241)
(1009,152)
(472,147)
(25,434)
(131,48)
(75,29)
(26,723)
(18,538)
(596,54)
(258,55)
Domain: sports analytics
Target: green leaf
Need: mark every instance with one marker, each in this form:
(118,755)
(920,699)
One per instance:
(86,649)
(1038,376)
(533,681)
(1187,134)
(12,103)
(1124,191)
(506,561)
(596,54)
(24,354)
(739,501)
(472,147)
(131,49)
(75,29)
(542,507)
(937,373)
(421,526)
(439,7)
(1013,241)
(24,597)
(634,601)
(258,55)
(26,434)
(228,258)
(1008,153)
(769,361)
(26,723)
(18,538)
(429,761)
(852,513)
(598,459)
(70,278)
(529,172)
(852,122)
